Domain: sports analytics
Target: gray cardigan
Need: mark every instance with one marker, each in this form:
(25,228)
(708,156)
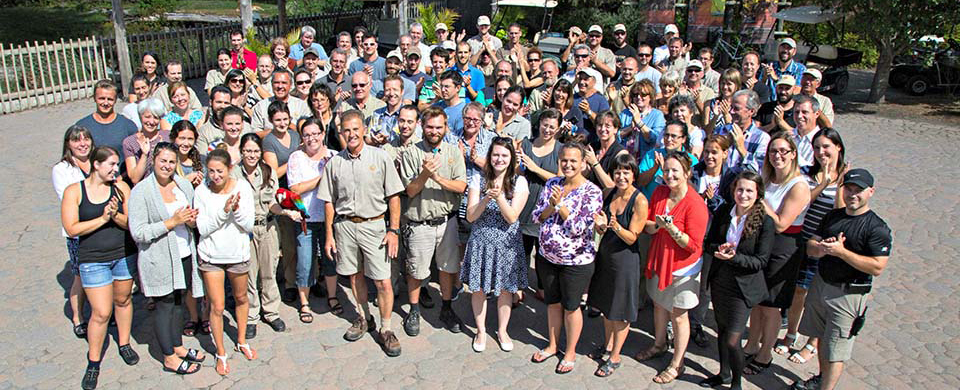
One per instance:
(159,263)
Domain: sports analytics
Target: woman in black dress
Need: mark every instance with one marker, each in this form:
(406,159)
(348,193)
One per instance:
(615,286)
(740,240)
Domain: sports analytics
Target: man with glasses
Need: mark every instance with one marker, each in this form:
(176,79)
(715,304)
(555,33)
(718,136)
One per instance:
(260,83)
(694,86)
(711,78)
(282,82)
(337,79)
(307,41)
(749,140)
(644,70)
(600,58)
(370,62)
(581,57)
(430,91)
(473,79)
(451,101)
(484,40)
(212,130)
(362,100)
(623,49)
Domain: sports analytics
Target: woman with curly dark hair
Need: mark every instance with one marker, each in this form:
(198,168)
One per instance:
(740,240)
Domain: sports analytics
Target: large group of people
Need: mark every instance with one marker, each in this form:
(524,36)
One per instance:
(625,177)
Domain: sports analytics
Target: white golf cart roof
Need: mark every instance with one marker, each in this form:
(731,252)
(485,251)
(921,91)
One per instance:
(808,14)
(527,3)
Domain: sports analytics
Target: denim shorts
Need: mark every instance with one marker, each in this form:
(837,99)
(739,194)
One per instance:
(807,271)
(101,274)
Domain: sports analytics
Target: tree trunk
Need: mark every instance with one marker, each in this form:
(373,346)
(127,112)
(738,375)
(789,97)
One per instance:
(282,17)
(878,89)
(123,51)
(246,15)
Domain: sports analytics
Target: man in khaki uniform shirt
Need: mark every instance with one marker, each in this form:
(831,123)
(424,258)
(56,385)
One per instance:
(436,177)
(282,82)
(362,184)
(174,74)
(362,99)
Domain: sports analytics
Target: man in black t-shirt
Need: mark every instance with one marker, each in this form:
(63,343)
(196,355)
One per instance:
(621,49)
(777,115)
(853,244)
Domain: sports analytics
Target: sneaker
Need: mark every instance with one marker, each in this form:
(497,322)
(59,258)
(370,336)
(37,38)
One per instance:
(251,332)
(356,330)
(90,378)
(129,356)
(450,320)
(277,325)
(699,337)
(425,300)
(391,346)
(810,384)
(411,325)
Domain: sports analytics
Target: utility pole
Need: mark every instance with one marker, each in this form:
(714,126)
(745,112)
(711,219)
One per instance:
(404,25)
(246,15)
(123,52)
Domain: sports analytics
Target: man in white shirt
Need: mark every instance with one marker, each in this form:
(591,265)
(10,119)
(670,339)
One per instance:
(806,111)
(662,52)
(478,41)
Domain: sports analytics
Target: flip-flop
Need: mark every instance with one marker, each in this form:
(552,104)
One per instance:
(607,368)
(183,368)
(564,367)
(543,356)
(797,358)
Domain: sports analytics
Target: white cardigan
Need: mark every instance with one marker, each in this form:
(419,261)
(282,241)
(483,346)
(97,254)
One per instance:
(224,237)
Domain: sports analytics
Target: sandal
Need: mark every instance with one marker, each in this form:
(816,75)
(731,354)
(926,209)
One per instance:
(798,358)
(80,330)
(785,344)
(651,353)
(247,351)
(305,316)
(193,356)
(205,328)
(335,309)
(190,328)
(607,368)
(184,368)
(756,368)
(541,356)
(668,374)
(564,367)
(226,367)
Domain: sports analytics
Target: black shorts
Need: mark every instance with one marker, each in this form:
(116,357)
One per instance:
(563,284)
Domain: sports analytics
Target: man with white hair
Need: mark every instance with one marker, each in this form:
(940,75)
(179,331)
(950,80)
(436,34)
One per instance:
(416,33)
(749,140)
(404,43)
(307,41)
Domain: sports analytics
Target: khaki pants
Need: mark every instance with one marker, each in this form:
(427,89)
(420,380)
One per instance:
(264,253)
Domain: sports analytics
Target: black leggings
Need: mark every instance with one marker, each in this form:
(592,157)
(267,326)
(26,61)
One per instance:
(731,313)
(169,314)
(731,356)
(532,243)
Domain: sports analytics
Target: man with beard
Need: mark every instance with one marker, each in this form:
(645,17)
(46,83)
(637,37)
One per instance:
(539,96)
(282,82)
(778,115)
(784,65)
(622,50)
(473,80)
(430,91)
(644,69)
(808,87)
(619,89)
(435,179)
(676,61)
(360,185)
(174,74)
(212,130)
(394,66)
(408,132)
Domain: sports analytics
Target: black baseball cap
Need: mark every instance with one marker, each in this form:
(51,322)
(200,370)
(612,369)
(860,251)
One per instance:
(860,177)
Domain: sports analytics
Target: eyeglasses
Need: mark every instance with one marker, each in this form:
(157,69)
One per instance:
(595,36)
(304,82)
(533,59)
(581,55)
(693,70)
(360,85)
(781,152)
(671,136)
(619,33)
(644,55)
(469,119)
(370,44)
(313,135)
(237,80)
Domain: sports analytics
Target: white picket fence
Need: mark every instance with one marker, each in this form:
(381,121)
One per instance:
(45,73)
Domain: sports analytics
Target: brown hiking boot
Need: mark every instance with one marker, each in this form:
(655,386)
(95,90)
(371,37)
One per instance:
(390,344)
(357,329)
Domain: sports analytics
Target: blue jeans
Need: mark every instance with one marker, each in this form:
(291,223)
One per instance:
(309,251)
(94,275)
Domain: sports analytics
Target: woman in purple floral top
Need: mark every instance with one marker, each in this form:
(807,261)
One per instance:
(565,211)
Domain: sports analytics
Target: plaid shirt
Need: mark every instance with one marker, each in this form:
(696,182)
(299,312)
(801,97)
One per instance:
(794,69)
(755,141)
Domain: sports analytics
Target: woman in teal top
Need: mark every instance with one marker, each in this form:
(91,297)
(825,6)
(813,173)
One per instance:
(675,137)
(180,99)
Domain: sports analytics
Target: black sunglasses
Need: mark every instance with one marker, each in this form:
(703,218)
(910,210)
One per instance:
(303,82)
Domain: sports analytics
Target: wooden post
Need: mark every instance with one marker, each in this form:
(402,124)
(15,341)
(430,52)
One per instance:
(6,81)
(123,52)
(84,46)
(402,7)
(246,15)
(282,18)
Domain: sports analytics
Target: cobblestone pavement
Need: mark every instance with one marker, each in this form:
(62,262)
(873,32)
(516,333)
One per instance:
(910,341)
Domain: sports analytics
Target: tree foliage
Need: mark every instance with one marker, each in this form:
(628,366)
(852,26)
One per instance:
(430,15)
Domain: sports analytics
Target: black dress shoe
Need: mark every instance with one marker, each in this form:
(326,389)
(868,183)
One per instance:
(277,325)
(251,332)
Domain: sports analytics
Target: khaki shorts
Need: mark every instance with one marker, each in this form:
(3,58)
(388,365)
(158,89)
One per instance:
(425,241)
(233,268)
(828,314)
(359,246)
(681,294)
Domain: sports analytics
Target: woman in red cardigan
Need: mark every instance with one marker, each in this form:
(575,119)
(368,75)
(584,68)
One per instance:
(678,221)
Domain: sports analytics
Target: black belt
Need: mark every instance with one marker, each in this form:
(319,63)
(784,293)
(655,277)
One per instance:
(263,221)
(853,287)
(431,222)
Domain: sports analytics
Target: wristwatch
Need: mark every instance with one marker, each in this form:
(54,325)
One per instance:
(394,231)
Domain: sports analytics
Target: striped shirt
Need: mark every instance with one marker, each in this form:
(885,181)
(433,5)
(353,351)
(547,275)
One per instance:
(818,208)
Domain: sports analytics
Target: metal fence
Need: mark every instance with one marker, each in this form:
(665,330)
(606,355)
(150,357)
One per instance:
(45,73)
(196,48)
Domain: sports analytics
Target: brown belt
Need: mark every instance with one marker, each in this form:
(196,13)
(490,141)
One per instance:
(361,219)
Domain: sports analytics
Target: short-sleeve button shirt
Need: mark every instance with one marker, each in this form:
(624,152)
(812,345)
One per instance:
(358,186)
(433,201)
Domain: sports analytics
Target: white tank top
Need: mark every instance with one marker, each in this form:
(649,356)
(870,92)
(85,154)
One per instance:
(775,193)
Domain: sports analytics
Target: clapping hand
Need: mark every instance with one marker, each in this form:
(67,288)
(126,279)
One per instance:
(590,156)
(111,209)
(584,106)
(657,159)
(726,251)
(833,245)
(430,166)
(556,195)
(600,221)
(232,204)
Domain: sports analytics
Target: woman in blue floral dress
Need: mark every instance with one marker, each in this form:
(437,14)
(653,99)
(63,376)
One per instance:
(494,260)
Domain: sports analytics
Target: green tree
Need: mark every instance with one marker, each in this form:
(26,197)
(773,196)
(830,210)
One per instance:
(892,26)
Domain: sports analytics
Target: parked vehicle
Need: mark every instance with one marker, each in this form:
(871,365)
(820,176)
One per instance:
(934,63)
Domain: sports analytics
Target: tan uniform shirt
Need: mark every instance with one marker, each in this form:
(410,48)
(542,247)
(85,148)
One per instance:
(298,109)
(367,110)
(358,186)
(433,201)
(214,78)
(826,106)
(210,132)
(264,197)
(615,97)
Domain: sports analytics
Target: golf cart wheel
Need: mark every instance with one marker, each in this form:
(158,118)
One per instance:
(917,85)
(840,85)
(897,79)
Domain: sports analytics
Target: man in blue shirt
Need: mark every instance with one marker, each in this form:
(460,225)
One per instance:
(451,103)
(784,65)
(590,101)
(307,35)
(473,79)
(369,60)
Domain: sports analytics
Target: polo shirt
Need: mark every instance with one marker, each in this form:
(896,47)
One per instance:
(477,80)
(296,51)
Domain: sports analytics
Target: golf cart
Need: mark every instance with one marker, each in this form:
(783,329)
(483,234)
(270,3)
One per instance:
(831,60)
(934,64)
(551,43)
